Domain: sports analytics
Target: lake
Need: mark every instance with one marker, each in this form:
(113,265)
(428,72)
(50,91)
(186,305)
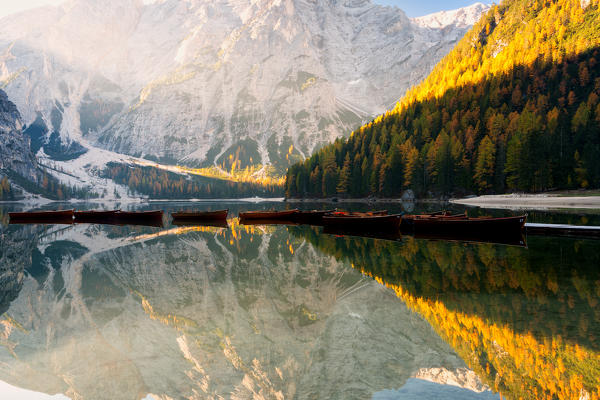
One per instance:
(290,312)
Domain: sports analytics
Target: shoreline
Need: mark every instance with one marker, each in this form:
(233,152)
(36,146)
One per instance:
(365,200)
(530,201)
(502,201)
(135,200)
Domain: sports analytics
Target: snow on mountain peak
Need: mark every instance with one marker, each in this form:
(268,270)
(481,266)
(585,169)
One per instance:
(462,17)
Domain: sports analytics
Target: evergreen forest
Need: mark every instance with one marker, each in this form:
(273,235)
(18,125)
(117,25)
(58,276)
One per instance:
(514,107)
(155,183)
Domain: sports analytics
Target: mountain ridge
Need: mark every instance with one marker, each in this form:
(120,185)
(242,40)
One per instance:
(193,83)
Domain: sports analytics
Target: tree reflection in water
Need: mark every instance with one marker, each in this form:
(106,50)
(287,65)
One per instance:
(527,320)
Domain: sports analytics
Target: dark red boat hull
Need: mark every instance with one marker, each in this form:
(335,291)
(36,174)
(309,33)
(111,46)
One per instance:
(268,215)
(42,217)
(358,213)
(267,221)
(314,217)
(214,223)
(373,223)
(95,216)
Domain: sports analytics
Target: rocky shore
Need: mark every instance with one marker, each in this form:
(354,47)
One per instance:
(531,201)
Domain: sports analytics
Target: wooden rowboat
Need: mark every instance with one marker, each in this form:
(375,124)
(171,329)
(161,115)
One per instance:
(407,224)
(465,225)
(41,217)
(367,223)
(200,215)
(359,213)
(268,221)
(268,215)
(94,216)
(41,214)
(313,217)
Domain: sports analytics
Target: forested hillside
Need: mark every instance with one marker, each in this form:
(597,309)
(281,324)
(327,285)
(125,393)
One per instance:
(515,106)
(152,182)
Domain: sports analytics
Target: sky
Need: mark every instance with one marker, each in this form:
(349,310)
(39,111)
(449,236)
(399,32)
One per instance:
(411,7)
(419,8)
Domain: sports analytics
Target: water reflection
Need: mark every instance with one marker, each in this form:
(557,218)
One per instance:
(116,312)
(525,319)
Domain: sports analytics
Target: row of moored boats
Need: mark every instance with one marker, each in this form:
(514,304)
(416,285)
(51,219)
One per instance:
(442,223)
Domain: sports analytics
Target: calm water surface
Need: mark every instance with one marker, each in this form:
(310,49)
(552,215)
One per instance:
(289,312)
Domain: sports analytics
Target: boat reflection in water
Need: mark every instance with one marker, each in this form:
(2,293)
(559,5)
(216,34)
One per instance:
(527,320)
(514,238)
(367,233)
(215,223)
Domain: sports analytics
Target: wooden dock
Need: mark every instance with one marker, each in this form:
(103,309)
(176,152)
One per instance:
(562,230)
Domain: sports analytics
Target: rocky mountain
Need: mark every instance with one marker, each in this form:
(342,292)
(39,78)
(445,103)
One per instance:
(228,82)
(206,313)
(15,155)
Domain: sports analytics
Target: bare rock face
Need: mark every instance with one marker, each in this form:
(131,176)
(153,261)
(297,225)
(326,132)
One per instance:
(15,154)
(215,82)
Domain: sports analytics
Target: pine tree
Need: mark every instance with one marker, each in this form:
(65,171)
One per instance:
(484,168)
(344,178)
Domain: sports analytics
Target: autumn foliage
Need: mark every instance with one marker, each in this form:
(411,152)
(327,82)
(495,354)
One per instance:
(526,320)
(515,106)
(157,183)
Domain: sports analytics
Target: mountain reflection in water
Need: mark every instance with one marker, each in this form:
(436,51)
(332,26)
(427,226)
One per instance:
(114,312)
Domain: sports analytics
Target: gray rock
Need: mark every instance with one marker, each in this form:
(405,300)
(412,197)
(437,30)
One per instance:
(408,195)
(15,153)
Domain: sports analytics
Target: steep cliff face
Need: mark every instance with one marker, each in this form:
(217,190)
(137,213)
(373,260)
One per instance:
(15,154)
(213,314)
(214,82)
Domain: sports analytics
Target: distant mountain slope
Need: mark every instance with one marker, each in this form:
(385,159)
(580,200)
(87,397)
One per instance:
(515,106)
(20,172)
(200,82)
